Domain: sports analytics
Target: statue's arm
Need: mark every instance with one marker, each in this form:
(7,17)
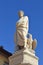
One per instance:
(18,24)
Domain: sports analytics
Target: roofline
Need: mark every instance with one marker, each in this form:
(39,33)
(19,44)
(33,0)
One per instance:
(5,51)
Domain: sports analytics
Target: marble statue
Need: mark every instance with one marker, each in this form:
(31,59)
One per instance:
(22,27)
(25,44)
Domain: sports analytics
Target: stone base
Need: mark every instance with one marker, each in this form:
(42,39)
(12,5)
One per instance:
(23,57)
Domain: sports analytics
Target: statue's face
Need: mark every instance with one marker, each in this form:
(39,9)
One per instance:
(21,14)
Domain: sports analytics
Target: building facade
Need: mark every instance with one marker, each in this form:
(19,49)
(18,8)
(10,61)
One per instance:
(4,54)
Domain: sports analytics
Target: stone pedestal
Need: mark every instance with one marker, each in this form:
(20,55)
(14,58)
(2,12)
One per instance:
(23,57)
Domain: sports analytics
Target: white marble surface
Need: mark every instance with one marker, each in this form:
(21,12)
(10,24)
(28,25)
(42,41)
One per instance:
(23,56)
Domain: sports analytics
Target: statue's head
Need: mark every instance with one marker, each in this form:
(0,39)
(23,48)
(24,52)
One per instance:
(21,13)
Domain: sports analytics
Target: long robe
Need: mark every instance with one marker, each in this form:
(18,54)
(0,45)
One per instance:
(22,31)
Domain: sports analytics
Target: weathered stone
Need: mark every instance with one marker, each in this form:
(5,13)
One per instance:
(23,57)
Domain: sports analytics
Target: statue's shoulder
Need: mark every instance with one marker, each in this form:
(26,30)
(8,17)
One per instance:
(26,17)
(19,20)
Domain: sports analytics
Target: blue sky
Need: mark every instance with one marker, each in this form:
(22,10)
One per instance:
(9,16)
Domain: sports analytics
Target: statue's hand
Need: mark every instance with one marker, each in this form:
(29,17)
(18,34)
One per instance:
(18,24)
